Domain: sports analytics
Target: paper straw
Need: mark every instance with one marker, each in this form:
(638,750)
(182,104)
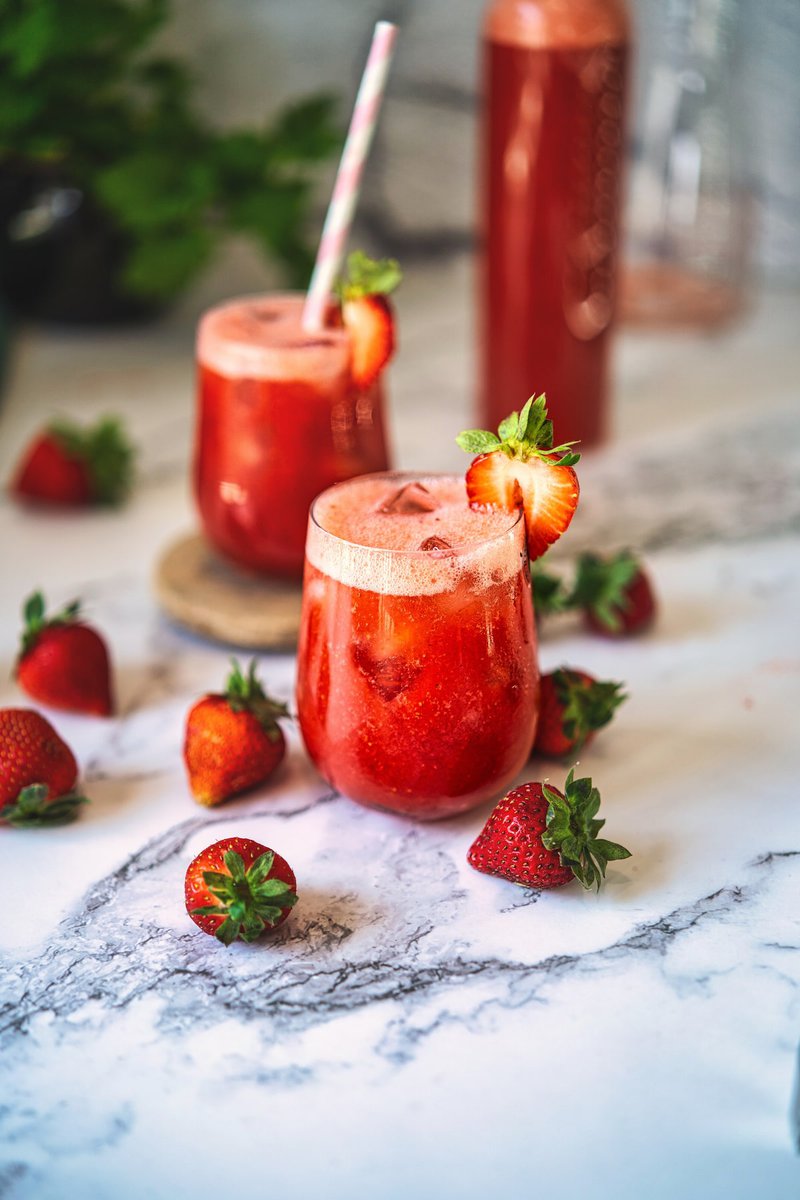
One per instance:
(348,178)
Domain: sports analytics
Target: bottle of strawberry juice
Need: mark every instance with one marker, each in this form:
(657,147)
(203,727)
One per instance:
(552,158)
(417,672)
(280,419)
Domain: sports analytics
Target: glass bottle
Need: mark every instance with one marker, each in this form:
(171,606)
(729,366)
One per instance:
(555,75)
(690,212)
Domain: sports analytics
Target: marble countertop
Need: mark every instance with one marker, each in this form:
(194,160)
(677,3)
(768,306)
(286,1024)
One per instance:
(417,1029)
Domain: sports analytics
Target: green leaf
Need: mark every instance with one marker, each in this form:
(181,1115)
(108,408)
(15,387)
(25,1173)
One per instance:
(569,831)
(228,931)
(34,609)
(217,879)
(260,869)
(270,888)
(151,190)
(306,132)
(610,851)
(367,276)
(508,427)
(235,865)
(478,441)
(33,810)
(159,266)
(601,586)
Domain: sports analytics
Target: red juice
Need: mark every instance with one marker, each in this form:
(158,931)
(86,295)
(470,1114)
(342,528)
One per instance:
(555,75)
(417,670)
(279,420)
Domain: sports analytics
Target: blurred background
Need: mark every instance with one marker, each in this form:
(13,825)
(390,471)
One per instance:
(229,87)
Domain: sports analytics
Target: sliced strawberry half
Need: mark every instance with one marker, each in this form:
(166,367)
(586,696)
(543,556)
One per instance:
(518,467)
(370,322)
(368,315)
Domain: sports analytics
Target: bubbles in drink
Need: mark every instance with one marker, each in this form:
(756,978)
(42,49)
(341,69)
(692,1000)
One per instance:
(389,676)
(432,544)
(412,498)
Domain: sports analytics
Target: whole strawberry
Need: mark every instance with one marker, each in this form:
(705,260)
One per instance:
(64,662)
(38,771)
(540,837)
(614,594)
(238,888)
(71,466)
(573,705)
(519,467)
(367,314)
(233,739)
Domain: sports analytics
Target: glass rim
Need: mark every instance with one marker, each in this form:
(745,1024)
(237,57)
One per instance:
(461,548)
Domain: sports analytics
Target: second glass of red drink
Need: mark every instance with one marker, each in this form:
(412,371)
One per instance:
(280,418)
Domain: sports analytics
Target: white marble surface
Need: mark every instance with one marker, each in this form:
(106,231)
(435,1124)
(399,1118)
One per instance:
(417,1029)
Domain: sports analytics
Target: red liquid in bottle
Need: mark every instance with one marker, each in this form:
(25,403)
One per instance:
(552,169)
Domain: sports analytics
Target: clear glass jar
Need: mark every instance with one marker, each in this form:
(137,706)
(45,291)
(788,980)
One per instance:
(690,212)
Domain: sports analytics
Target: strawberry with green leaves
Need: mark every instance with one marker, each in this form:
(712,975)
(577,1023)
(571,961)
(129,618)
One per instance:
(233,740)
(367,313)
(38,772)
(573,705)
(63,661)
(239,889)
(540,837)
(614,593)
(67,465)
(519,467)
(550,594)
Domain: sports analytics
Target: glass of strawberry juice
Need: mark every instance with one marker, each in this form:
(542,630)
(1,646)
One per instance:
(279,420)
(418,684)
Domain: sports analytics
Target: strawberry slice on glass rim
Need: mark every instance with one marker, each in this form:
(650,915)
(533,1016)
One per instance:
(519,467)
(367,313)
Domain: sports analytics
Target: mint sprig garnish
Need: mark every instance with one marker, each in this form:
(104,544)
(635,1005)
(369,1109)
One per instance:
(365,276)
(522,435)
(572,828)
(249,901)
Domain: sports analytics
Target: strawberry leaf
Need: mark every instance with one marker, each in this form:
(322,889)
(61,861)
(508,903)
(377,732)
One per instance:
(588,705)
(33,810)
(245,693)
(521,435)
(601,586)
(367,276)
(249,901)
(478,441)
(507,428)
(105,451)
(260,869)
(570,830)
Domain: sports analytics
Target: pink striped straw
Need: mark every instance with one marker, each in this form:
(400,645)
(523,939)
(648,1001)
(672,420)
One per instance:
(348,178)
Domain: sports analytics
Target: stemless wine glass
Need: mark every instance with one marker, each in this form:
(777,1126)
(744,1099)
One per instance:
(279,419)
(418,683)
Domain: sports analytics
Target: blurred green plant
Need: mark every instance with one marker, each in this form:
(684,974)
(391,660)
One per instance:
(81,89)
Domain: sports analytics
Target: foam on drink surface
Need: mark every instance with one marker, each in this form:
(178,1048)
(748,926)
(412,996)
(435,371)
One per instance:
(261,337)
(380,524)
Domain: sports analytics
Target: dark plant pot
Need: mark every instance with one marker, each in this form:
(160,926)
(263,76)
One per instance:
(60,256)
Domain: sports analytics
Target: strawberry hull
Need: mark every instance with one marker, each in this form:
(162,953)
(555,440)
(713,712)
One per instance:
(421,703)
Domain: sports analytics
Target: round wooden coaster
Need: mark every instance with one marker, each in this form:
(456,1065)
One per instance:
(211,597)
